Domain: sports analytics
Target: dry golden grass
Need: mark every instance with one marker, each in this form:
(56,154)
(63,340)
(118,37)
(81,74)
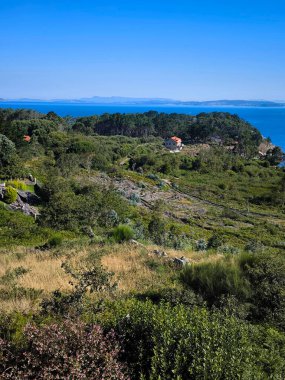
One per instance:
(135,268)
(129,265)
(22,305)
(45,271)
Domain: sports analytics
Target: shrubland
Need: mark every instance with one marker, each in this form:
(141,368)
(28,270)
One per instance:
(140,263)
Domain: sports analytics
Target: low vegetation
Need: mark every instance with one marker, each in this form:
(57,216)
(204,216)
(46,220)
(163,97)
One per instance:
(121,260)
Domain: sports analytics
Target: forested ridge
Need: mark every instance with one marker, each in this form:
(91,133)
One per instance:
(198,128)
(122,260)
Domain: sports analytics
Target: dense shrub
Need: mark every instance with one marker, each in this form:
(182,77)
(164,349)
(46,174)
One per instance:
(157,342)
(71,206)
(201,245)
(228,249)
(17,228)
(166,342)
(17,184)
(216,241)
(122,233)
(7,151)
(257,280)
(69,350)
(10,195)
(157,229)
(172,296)
(55,241)
(266,273)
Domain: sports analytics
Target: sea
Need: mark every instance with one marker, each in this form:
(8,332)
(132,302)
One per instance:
(269,121)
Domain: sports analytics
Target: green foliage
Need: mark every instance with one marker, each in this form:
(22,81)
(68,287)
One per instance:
(19,185)
(10,165)
(55,241)
(231,198)
(38,128)
(214,280)
(7,151)
(201,128)
(201,245)
(275,156)
(257,280)
(266,273)
(19,229)
(166,342)
(71,206)
(172,296)
(10,195)
(122,233)
(228,249)
(216,241)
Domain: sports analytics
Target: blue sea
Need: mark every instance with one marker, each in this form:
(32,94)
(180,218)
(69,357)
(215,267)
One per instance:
(270,121)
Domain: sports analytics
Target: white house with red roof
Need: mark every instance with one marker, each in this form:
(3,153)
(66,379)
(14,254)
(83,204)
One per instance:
(174,144)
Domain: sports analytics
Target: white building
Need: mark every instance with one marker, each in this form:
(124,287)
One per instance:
(174,144)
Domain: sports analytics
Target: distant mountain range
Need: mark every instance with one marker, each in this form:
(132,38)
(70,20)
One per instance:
(124,101)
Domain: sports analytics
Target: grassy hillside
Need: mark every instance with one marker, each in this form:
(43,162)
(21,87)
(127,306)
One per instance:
(180,257)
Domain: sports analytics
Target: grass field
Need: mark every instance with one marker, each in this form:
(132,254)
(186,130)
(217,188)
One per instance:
(135,268)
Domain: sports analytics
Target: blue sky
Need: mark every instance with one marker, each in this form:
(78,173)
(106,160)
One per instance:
(176,49)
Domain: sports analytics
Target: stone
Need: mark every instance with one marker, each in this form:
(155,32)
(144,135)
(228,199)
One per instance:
(159,253)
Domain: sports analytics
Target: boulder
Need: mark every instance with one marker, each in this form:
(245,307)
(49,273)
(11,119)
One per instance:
(182,261)
(159,253)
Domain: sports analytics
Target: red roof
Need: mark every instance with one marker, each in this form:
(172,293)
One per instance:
(27,138)
(176,139)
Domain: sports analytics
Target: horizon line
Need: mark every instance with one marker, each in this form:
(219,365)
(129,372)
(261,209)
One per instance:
(3,99)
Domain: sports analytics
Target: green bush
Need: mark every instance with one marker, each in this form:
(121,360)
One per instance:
(17,228)
(10,195)
(55,241)
(228,250)
(122,233)
(17,184)
(7,151)
(266,273)
(214,280)
(255,280)
(216,241)
(166,342)
(201,245)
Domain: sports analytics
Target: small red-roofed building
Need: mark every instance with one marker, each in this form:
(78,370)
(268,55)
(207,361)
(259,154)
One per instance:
(174,144)
(27,138)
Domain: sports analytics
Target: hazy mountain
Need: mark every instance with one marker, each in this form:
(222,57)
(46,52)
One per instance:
(117,100)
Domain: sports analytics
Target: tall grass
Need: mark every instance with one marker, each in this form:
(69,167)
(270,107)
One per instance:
(214,279)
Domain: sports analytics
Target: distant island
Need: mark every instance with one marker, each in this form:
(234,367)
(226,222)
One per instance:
(117,100)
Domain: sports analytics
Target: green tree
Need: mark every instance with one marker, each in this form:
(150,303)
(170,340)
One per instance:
(275,156)
(7,151)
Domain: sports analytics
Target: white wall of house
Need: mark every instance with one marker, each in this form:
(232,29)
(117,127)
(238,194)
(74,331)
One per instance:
(172,145)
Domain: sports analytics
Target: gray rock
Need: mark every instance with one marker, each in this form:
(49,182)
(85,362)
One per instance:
(29,197)
(136,243)
(159,253)
(182,261)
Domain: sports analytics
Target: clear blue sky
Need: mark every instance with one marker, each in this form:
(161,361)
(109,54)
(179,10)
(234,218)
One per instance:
(206,49)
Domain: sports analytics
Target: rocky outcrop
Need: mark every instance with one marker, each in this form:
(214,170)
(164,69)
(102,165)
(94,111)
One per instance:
(265,147)
(26,208)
